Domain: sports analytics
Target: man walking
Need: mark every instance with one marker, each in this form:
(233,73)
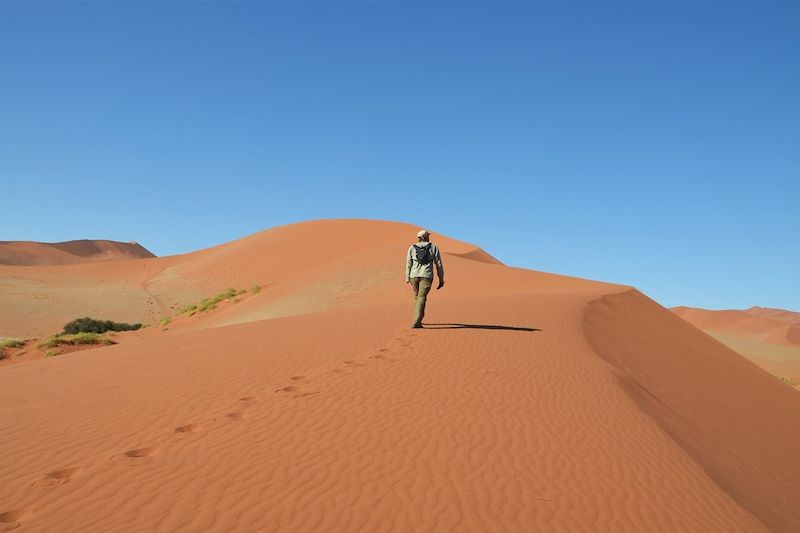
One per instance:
(419,272)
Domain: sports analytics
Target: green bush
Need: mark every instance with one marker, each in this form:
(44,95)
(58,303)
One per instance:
(91,325)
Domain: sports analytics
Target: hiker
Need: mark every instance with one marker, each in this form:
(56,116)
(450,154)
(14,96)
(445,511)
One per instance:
(419,272)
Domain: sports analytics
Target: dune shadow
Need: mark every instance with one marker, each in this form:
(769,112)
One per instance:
(477,326)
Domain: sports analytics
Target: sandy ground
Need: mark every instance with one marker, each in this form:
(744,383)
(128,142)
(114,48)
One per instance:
(529,402)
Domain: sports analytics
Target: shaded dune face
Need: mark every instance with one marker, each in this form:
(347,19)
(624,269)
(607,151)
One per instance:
(733,418)
(530,402)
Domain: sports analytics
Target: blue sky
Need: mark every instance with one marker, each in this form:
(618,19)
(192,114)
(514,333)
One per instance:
(652,144)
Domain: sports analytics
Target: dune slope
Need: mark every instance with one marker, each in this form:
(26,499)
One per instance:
(526,404)
(732,417)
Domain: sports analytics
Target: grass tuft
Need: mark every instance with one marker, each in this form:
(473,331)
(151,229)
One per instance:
(11,343)
(75,339)
(255,289)
(211,303)
(191,309)
(790,381)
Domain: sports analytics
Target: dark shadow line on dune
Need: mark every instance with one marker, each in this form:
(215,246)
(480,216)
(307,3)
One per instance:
(476,326)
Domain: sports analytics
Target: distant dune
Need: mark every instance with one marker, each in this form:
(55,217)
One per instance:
(768,337)
(775,326)
(529,402)
(30,253)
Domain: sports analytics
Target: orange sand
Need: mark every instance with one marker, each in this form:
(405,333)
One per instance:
(312,406)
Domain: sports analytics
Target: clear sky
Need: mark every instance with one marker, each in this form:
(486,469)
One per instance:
(653,144)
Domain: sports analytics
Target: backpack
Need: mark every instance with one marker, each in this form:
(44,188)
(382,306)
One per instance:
(424,254)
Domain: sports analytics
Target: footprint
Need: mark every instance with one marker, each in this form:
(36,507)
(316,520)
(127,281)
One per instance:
(237,415)
(384,350)
(290,388)
(354,363)
(188,428)
(57,477)
(249,400)
(15,516)
(376,357)
(304,394)
(297,378)
(141,453)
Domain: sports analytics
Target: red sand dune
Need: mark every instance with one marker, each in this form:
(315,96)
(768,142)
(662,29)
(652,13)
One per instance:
(775,326)
(530,402)
(69,252)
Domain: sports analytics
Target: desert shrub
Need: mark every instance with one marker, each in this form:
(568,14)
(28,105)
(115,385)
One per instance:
(91,325)
(255,289)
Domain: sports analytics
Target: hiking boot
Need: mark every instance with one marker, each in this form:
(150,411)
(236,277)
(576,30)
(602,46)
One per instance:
(416,326)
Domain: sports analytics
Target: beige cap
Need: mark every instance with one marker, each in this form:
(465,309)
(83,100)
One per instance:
(423,233)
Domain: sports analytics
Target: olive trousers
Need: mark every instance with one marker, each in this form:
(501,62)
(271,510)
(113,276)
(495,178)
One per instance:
(421,286)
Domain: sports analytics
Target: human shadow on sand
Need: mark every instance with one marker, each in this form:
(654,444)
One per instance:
(476,326)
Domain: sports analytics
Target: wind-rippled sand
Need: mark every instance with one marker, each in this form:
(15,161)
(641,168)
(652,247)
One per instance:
(530,402)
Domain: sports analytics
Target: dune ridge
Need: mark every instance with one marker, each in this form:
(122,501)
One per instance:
(699,391)
(529,402)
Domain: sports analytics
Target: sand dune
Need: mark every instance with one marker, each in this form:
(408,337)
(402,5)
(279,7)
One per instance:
(775,326)
(69,252)
(768,337)
(530,402)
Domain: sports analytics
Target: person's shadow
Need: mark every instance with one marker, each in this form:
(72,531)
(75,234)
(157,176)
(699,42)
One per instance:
(476,326)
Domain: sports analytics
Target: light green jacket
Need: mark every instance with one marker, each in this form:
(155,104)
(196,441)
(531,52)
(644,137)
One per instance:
(415,270)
